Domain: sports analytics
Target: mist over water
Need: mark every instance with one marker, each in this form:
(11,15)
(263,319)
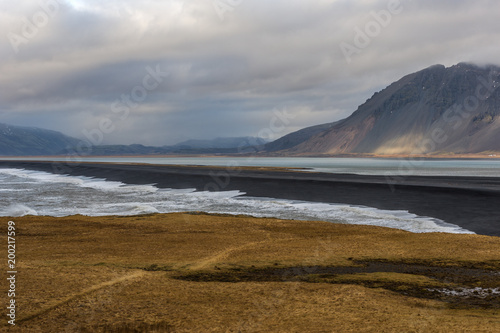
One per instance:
(26,192)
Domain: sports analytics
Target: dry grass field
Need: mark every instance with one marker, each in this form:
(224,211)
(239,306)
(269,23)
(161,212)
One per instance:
(212,273)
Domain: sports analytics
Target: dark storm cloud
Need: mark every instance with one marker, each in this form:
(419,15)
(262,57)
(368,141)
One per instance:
(228,68)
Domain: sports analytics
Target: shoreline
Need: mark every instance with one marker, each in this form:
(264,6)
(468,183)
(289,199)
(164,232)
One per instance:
(475,156)
(469,202)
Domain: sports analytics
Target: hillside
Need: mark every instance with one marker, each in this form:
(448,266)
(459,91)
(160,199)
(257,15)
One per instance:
(194,272)
(436,110)
(293,139)
(15,140)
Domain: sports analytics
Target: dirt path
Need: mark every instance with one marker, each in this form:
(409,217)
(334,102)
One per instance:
(205,263)
(50,307)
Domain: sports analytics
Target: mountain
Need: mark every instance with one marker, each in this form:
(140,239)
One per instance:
(117,150)
(435,110)
(237,142)
(15,140)
(215,146)
(293,139)
(30,141)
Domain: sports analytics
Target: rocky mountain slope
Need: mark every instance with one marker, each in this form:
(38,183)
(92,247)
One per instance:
(436,110)
(293,139)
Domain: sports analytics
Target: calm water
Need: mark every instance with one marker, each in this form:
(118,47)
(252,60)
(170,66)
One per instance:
(363,166)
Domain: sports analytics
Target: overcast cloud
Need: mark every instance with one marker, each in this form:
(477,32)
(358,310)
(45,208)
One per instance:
(67,65)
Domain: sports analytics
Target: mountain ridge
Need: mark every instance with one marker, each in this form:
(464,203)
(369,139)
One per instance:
(432,111)
(33,141)
(20,140)
(437,110)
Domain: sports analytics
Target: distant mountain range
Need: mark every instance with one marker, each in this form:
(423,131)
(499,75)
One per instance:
(228,145)
(436,110)
(237,142)
(30,141)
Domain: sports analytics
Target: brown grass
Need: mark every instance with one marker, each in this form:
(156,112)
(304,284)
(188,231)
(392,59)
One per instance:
(128,274)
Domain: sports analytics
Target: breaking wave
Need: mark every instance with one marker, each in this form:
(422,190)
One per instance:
(28,192)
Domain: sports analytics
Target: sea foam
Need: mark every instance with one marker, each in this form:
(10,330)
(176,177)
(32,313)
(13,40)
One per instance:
(28,192)
(19,210)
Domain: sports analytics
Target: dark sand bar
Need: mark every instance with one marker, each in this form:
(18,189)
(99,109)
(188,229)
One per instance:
(470,202)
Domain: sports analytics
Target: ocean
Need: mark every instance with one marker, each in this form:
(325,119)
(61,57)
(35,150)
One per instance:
(26,192)
(361,166)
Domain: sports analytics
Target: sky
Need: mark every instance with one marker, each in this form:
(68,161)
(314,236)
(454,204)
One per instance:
(161,72)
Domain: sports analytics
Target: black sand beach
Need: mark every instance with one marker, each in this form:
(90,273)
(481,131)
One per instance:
(470,202)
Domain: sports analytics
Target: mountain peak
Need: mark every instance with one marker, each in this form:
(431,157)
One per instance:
(435,67)
(461,103)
